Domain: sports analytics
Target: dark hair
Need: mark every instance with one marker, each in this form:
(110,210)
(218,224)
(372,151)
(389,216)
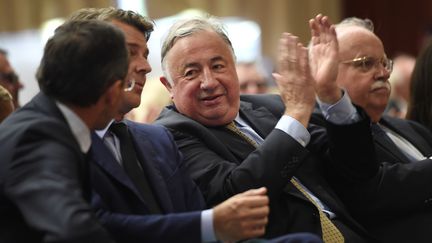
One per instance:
(141,23)
(81,61)
(420,104)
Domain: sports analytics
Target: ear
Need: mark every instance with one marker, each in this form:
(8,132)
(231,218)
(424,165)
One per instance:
(167,85)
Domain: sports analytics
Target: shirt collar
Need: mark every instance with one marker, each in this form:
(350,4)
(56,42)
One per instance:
(101,133)
(79,129)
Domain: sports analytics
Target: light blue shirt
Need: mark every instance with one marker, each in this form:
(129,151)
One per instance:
(113,144)
(342,112)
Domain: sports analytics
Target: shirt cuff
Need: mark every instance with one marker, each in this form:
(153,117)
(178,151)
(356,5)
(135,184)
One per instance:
(294,128)
(207,231)
(342,112)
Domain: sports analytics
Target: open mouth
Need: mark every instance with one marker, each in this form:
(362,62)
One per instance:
(212,100)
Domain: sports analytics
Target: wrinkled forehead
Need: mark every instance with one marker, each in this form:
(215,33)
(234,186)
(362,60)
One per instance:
(357,42)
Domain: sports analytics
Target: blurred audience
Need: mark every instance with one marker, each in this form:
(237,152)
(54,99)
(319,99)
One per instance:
(400,79)
(252,78)
(420,105)
(6,103)
(9,79)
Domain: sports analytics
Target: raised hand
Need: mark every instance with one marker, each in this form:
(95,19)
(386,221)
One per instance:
(324,58)
(242,216)
(294,79)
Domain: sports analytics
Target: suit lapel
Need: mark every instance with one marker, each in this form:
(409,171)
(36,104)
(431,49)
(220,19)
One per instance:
(261,120)
(104,158)
(407,132)
(146,154)
(388,146)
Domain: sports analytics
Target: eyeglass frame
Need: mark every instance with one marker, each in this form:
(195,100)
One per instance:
(387,63)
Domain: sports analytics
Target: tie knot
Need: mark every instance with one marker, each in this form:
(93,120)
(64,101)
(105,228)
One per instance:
(119,129)
(231,126)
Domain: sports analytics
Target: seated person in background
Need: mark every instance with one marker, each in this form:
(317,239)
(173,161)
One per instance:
(6,104)
(400,80)
(9,79)
(252,78)
(199,72)
(141,190)
(44,176)
(393,202)
(420,104)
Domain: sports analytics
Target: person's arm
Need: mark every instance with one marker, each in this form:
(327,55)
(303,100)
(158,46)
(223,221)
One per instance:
(43,182)
(242,216)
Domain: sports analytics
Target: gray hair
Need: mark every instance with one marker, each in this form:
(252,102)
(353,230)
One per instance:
(354,21)
(187,27)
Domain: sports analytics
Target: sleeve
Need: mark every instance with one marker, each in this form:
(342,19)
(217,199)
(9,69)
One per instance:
(43,183)
(271,165)
(176,227)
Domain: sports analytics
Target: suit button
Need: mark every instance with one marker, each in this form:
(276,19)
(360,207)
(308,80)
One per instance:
(428,201)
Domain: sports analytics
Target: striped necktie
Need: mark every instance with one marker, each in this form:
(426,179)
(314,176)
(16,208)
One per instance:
(330,233)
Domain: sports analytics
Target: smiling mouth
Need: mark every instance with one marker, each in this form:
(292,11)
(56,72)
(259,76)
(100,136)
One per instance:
(210,98)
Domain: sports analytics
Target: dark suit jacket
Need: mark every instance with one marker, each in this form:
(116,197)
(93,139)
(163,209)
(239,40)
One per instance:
(223,164)
(403,197)
(395,203)
(120,207)
(43,178)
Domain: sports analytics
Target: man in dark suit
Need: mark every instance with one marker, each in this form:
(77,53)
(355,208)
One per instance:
(169,210)
(198,63)
(44,176)
(398,207)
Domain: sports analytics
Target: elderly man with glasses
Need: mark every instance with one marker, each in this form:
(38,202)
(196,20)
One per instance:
(8,78)
(394,202)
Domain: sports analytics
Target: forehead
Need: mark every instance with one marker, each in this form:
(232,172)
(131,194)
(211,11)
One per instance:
(202,43)
(132,35)
(4,64)
(357,42)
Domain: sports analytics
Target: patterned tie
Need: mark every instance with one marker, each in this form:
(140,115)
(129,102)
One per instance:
(330,232)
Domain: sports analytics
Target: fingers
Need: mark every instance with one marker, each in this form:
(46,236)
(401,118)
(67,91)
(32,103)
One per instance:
(288,54)
(322,30)
(258,191)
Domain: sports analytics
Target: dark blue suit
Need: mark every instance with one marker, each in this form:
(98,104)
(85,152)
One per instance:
(120,207)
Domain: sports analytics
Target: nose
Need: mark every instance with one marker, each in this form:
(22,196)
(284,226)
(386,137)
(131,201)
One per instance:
(142,65)
(382,73)
(20,85)
(208,80)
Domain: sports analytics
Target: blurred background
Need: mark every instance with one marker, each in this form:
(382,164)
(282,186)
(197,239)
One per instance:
(253,25)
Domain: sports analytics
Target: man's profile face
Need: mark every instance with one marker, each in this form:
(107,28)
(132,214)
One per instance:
(367,87)
(206,87)
(8,79)
(250,79)
(138,64)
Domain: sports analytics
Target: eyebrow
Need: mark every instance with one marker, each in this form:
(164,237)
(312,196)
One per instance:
(134,45)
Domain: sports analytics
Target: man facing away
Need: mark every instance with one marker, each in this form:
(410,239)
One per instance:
(45,189)
(159,203)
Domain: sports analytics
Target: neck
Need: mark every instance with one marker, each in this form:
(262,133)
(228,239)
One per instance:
(87,115)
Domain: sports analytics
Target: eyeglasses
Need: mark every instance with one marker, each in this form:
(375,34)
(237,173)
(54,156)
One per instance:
(10,77)
(368,63)
(130,85)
